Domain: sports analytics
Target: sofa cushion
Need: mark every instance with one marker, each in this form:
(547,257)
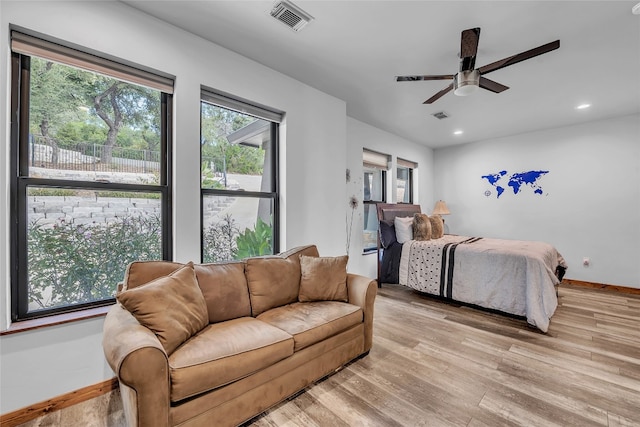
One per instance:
(294,254)
(141,272)
(323,279)
(312,322)
(172,306)
(273,281)
(225,352)
(224,287)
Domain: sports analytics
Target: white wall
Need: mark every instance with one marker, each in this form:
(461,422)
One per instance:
(48,362)
(590,165)
(361,135)
(591,201)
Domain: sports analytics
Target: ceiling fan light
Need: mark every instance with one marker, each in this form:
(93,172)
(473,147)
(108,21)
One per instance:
(466,82)
(465,90)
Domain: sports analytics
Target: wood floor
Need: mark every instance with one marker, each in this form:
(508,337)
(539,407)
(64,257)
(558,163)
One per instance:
(440,364)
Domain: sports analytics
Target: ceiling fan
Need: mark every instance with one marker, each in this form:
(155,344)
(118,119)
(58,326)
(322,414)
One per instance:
(469,78)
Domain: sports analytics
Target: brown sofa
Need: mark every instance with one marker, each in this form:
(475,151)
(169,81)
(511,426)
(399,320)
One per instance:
(271,327)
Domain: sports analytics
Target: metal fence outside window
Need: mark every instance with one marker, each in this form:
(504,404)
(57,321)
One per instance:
(88,157)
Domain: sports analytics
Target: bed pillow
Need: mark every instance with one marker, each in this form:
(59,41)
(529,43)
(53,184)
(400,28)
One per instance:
(437,226)
(323,279)
(387,233)
(421,227)
(172,306)
(404,228)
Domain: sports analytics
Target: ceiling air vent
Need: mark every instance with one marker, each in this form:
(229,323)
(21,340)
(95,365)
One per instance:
(440,115)
(290,15)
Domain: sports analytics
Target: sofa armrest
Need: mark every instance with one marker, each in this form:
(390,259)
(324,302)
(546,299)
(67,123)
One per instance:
(362,292)
(140,362)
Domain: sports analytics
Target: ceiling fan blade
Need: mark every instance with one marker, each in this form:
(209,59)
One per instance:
(419,78)
(469,42)
(469,48)
(495,87)
(519,57)
(439,94)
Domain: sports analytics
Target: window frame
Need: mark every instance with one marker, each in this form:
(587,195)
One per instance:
(229,102)
(371,204)
(409,186)
(383,186)
(374,161)
(20,181)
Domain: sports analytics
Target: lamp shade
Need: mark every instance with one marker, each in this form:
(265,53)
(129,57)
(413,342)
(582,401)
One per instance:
(440,208)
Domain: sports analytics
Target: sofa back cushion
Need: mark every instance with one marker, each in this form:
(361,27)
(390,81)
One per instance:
(275,280)
(141,272)
(225,291)
(172,306)
(295,253)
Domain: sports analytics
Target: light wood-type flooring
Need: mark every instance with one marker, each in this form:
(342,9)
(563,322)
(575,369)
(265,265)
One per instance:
(441,364)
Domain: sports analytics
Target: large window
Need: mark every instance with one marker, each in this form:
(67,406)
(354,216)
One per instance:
(374,191)
(239,151)
(404,181)
(89,175)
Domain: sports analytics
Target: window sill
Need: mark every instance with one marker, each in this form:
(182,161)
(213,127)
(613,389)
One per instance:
(58,319)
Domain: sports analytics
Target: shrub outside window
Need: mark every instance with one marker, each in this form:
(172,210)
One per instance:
(90,176)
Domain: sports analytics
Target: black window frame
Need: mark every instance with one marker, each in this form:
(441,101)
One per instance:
(20,181)
(274,117)
(409,187)
(383,184)
(371,204)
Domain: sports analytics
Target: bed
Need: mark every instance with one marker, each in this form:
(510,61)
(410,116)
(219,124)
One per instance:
(511,276)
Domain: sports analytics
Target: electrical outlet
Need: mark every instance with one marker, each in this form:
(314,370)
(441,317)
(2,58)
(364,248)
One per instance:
(586,261)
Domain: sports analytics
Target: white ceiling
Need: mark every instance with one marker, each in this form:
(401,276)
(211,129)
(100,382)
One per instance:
(353,50)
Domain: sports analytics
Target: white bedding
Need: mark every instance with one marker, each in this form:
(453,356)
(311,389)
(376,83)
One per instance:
(511,276)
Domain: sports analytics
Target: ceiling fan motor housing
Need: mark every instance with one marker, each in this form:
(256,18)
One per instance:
(466,82)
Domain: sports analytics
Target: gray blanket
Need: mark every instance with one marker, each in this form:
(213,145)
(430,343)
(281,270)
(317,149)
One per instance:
(512,276)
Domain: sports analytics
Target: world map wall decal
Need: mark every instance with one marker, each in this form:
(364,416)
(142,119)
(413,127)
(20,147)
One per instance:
(517,181)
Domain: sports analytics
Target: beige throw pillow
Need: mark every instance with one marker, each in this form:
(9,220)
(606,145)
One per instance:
(139,273)
(437,226)
(421,227)
(172,306)
(323,279)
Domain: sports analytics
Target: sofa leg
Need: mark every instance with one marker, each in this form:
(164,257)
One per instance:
(366,353)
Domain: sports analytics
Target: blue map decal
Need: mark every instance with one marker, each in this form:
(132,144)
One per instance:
(517,181)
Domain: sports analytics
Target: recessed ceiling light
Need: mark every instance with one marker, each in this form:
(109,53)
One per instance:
(636,9)
(583,106)
(458,132)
